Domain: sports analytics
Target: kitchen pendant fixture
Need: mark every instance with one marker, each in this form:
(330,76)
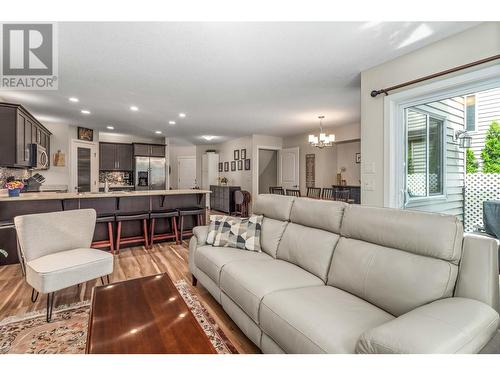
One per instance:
(322,140)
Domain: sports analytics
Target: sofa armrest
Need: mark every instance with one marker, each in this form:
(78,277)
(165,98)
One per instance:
(451,325)
(199,239)
(201,234)
(478,272)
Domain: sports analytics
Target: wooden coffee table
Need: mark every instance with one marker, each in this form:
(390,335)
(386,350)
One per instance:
(145,315)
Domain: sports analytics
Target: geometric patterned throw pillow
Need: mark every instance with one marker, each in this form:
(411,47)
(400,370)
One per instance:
(240,233)
(213,227)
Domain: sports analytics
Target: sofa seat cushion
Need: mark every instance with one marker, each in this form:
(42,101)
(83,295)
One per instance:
(67,268)
(211,259)
(247,282)
(320,319)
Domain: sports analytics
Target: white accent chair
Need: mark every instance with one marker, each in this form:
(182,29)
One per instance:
(55,248)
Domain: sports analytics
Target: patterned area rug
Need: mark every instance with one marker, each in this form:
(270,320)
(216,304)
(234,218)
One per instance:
(67,333)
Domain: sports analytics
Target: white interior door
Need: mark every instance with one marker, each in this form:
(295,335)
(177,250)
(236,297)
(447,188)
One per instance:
(84,167)
(289,168)
(186,170)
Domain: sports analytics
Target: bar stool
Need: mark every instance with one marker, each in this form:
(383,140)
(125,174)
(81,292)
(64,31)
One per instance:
(198,212)
(141,216)
(167,214)
(109,242)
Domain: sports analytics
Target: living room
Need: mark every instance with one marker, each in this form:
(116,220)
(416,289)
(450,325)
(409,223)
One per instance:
(263,183)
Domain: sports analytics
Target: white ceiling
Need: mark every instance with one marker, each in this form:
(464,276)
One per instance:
(231,79)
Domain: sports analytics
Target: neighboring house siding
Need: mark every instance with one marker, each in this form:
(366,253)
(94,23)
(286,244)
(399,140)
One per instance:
(453,111)
(488,110)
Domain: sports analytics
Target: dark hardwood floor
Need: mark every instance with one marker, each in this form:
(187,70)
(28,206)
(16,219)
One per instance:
(131,263)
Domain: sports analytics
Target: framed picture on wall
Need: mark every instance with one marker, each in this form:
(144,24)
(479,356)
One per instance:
(233,166)
(247,164)
(243,153)
(236,154)
(226,166)
(85,134)
(221,167)
(358,157)
(240,165)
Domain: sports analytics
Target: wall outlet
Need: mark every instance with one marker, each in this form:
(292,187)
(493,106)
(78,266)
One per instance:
(369,185)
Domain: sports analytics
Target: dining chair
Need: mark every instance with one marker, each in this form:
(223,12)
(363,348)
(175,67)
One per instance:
(342,195)
(276,190)
(328,194)
(55,249)
(313,192)
(293,192)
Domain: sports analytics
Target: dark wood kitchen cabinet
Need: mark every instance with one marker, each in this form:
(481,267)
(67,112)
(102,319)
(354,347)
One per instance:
(115,156)
(152,150)
(222,198)
(18,130)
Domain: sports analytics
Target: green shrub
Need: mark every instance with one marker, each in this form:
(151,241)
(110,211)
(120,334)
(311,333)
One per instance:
(491,151)
(471,164)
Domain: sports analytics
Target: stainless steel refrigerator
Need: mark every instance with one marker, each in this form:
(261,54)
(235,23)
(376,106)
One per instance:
(149,173)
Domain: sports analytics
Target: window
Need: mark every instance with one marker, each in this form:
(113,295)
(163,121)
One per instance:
(424,157)
(470,113)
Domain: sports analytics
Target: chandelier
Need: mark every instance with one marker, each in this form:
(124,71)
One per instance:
(322,140)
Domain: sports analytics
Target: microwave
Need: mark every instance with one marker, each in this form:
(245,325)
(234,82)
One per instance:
(39,157)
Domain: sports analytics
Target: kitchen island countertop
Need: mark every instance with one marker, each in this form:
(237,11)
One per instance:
(111,194)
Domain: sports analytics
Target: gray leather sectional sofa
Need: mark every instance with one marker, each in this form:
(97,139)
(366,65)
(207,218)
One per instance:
(337,278)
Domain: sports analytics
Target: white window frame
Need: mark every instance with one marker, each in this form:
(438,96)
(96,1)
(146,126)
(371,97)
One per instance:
(409,200)
(394,130)
(475,112)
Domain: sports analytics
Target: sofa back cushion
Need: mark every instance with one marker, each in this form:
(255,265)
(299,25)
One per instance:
(308,248)
(270,235)
(320,214)
(273,206)
(396,259)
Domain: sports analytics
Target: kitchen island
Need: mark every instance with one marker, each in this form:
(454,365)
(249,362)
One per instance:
(111,203)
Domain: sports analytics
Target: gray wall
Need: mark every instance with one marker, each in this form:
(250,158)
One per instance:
(268,170)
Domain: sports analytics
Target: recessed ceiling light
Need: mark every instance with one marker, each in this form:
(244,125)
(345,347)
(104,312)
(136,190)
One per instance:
(208,137)
(85,112)
(171,122)
(74,100)
(182,115)
(134,108)
(158,132)
(110,127)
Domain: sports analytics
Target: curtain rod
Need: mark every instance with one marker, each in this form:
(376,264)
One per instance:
(374,93)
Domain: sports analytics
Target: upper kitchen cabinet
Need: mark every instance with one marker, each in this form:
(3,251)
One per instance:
(18,131)
(115,156)
(144,149)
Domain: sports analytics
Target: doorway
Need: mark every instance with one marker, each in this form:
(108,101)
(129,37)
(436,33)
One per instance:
(268,169)
(186,169)
(84,167)
(289,176)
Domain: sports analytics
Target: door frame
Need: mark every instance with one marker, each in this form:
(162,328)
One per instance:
(278,167)
(179,158)
(394,129)
(94,164)
(297,169)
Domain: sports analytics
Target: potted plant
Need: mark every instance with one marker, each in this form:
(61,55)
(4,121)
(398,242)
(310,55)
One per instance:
(14,187)
(222,181)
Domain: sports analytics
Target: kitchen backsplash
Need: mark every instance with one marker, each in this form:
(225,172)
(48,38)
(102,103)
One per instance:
(17,173)
(116,178)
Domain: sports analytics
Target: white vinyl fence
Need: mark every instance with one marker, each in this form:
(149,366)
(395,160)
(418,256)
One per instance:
(479,187)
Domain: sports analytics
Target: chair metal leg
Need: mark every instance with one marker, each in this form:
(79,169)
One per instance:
(152,236)
(107,278)
(33,296)
(50,306)
(145,231)
(111,239)
(173,223)
(118,237)
(182,229)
